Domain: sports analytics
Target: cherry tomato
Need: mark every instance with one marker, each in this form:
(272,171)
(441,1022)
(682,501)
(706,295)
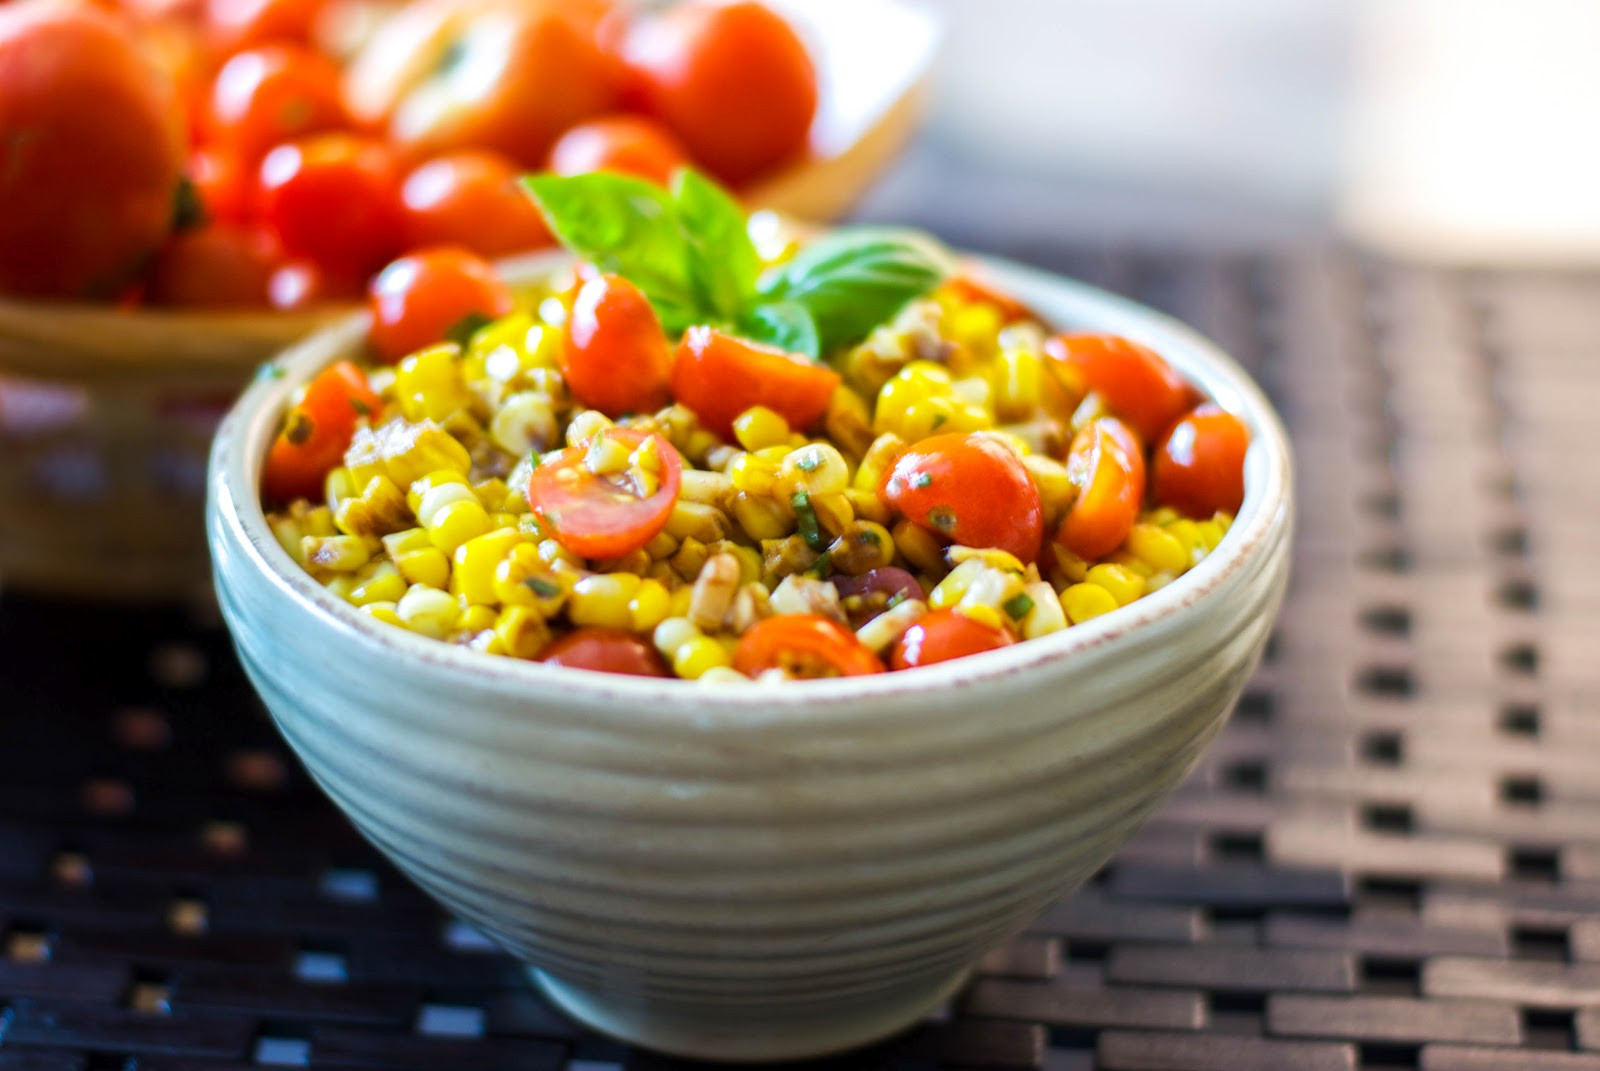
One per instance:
(734,81)
(420,298)
(804,645)
(719,377)
(472,199)
(266,96)
(220,265)
(1138,386)
(333,199)
(630,144)
(225,186)
(232,25)
(1106,464)
(970,490)
(600,516)
(616,359)
(606,650)
(1199,466)
(317,432)
(301,284)
(969,289)
(943,635)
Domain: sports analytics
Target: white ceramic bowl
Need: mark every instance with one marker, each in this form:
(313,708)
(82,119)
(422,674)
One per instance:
(749,872)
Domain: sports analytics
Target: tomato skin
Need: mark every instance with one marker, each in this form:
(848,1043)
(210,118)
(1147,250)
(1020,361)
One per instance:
(1106,463)
(232,25)
(628,144)
(815,646)
(473,199)
(226,187)
(590,516)
(719,377)
(616,359)
(333,199)
(970,289)
(416,300)
(217,266)
(1139,387)
(605,650)
(1199,466)
(300,284)
(263,97)
(734,81)
(317,432)
(943,635)
(967,489)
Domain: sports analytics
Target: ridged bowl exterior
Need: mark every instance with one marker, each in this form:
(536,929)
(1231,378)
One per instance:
(750,872)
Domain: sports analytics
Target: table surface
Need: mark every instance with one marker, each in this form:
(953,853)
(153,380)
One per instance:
(1390,859)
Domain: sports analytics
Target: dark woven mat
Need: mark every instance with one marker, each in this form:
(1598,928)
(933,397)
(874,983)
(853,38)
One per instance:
(1391,859)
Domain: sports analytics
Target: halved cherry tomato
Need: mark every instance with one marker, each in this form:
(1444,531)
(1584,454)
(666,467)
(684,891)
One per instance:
(600,516)
(943,635)
(471,198)
(719,377)
(804,645)
(301,284)
(235,24)
(1199,466)
(225,186)
(1106,464)
(317,432)
(334,199)
(1139,387)
(630,144)
(970,490)
(605,650)
(266,96)
(967,288)
(219,265)
(420,298)
(616,359)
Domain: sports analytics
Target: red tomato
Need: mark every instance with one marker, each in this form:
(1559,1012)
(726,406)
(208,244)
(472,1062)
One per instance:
(1106,464)
(943,635)
(970,490)
(616,359)
(630,144)
(333,199)
(471,199)
(219,265)
(805,646)
(719,377)
(317,432)
(1138,386)
(224,184)
(967,288)
(270,95)
(606,650)
(236,24)
(300,284)
(418,299)
(597,516)
(734,81)
(1199,466)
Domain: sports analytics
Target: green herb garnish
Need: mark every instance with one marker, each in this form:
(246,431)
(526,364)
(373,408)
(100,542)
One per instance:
(1018,606)
(462,330)
(541,587)
(805,515)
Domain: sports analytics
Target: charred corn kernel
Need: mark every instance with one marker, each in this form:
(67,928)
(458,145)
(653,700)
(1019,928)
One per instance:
(753,474)
(602,601)
(428,383)
(690,556)
(337,486)
(983,614)
(525,422)
(867,506)
(816,468)
(464,428)
(1017,375)
(759,427)
(919,547)
(475,619)
(383,584)
(662,571)
(521,631)
(474,563)
(336,554)
(721,675)
(650,605)
(875,463)
(409,452)
(785,557)
(706,488)
(383,611)
(381,508)
(605,455)
(1045,615)
(319,522)
(861,546)
(881,632)
(457,522)
(994,559)
(522,578)
(698,520)
(749,558)
(662,545)
(429,566)
(953,588)
(399,543)
(428,610)
(1122,583)
(585,426)
(700,656)
(761,517)
(1070,565)
(635,562)
(288,533)
(1080,602)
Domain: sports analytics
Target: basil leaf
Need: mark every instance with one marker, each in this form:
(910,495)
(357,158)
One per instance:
(722,259)
(855,279)
(784,324)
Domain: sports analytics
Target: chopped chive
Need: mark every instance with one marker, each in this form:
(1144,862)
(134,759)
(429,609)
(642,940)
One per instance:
(939,418)
(896,599)
(361,407)
(541,587)
(921,480)
(1018,606)
(805,515)
(462,330)
(808,462)
(822,568)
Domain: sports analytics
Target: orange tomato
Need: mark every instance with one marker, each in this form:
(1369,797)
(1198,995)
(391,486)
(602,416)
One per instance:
(1106,464)
(232,25)
(967,489)
(629,144)
(943,635)
(604,516)
(220,265)
(616,359)
(969,289)
(333,199)
(1199,466)
(719,377)
(316,433)
(91,152)
(471,198)
(1138,386)
(266,96)
(420,298)
(225,186)
(605,650)
(734,81)
(301,284)
(804,646)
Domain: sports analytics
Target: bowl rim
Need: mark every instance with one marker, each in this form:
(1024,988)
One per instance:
(234,510)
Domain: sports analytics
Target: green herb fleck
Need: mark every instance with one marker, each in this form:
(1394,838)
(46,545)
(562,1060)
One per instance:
(896,599)
(462,331)
(805,515)
(270,370)
(1018,606)
(942,518)
(921,480)
(361,407)
(822,568)
(542,587)
(939,418)
(808,462)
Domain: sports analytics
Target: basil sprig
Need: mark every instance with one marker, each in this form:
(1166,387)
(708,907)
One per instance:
(689,251)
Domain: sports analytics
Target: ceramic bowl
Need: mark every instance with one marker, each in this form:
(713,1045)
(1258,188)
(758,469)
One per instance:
(754,872)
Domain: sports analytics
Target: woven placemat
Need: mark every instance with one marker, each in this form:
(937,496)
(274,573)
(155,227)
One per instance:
(1391,858)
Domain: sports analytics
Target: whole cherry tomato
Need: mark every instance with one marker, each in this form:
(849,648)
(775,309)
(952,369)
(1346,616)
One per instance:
(232,25)
(970,490)
(473,199)
(316,433)
(225,186)
(629,144)
(1199,466)
(734,81)
(803,645)
(604,516)
(943,635)
(266,96)
(334,199)
(1139,387)
(616,359)
(606,650)
(220,265)
(1106,464)
(420,298)
(301,284)
(719,377)
(91,152)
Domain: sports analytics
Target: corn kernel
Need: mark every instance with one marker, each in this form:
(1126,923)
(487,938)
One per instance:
(1157,549)
(761,518)
(475,619)
(650,605)
(338,554)
(339,485)
(879,456)
(1046,615)
(433,501)
(428,611)
(759,427)
(983,614)
(1123,584)
(919,547)
(673,634)
(521,631)
(700,655)
(721,675)
(385,584)
(472,576)
(753,474)
(1080,602)
(697,520)
(585,426)
(602,601)
(879,633)
(816,468)
(383,611)
(428,566)
(953,588)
